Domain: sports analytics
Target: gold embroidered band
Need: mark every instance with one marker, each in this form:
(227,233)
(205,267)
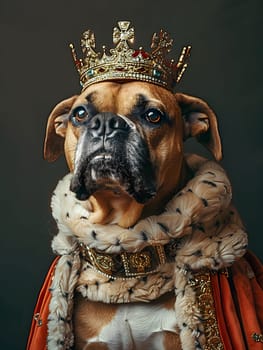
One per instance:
(202,286)
(127,265)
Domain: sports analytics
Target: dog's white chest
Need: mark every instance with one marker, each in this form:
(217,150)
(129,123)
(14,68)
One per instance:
(136,326)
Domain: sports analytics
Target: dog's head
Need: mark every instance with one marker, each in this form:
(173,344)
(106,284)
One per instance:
(123,143)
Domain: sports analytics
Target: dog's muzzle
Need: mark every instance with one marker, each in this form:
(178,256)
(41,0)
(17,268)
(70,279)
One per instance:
(112,154)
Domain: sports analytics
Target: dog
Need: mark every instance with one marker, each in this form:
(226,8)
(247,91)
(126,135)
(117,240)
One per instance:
(123,142)
(152,253)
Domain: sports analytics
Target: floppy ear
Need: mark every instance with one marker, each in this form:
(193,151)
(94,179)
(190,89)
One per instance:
(200,122)
(56,129)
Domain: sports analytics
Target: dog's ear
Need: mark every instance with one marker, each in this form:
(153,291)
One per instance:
(200,122)
(56,129)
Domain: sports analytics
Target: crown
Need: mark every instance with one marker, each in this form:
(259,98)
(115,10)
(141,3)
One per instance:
(125,63)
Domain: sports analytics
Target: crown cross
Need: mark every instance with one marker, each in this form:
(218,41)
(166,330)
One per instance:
(88,45)
(161,44)
(123,36)
(126,63)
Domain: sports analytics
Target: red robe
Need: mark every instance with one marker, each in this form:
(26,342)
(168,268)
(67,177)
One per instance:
(238,302)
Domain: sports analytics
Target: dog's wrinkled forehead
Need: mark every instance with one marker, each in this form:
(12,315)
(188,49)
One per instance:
(126,98)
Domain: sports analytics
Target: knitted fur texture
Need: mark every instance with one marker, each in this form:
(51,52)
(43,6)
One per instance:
(202,220)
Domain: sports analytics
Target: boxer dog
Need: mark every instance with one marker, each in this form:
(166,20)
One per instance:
(123,142)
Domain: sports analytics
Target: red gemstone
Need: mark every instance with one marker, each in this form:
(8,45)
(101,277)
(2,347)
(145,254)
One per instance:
(78,63)
(136,53)
(145,54)
(141,53)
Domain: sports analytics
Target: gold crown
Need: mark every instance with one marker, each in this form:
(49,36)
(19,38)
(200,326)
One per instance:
(125,63)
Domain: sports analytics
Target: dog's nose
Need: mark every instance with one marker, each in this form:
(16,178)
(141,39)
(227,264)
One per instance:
(108,125)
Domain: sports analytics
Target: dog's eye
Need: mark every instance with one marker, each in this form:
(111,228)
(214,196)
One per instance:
(153,115)
(79,115)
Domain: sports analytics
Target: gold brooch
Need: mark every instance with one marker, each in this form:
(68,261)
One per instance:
(257,337)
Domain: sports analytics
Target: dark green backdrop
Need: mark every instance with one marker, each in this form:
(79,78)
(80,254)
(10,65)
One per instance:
(36,72)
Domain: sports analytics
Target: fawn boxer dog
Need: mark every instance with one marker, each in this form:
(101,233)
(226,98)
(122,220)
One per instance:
(124,145)
(152,254)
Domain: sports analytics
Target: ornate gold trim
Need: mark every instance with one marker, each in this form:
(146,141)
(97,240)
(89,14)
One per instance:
(126,264)
(137,261)
(202,286)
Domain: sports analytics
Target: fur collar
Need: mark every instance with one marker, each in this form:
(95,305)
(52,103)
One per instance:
(200,216)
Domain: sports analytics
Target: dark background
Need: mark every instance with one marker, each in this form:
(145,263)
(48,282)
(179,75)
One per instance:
(36,72)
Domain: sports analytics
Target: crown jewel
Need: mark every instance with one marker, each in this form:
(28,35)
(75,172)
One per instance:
(125,63)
